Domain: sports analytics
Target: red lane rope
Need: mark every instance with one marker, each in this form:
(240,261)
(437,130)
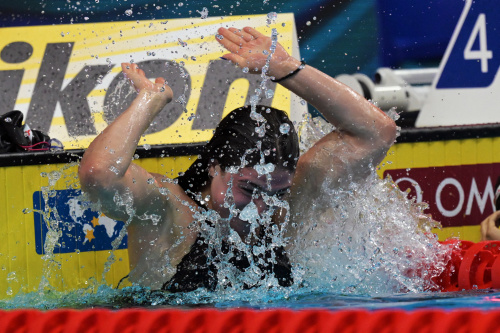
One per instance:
(472,266)
(248,321)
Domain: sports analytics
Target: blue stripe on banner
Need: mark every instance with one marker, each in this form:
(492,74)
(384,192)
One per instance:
(78,226)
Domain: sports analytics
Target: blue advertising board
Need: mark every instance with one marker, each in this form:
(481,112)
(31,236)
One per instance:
(80,228)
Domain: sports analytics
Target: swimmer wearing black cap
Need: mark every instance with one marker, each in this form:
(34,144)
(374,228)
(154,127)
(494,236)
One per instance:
(362,137)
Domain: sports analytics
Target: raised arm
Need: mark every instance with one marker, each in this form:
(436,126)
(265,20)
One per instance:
(107,174)
(364,134)
(106,168)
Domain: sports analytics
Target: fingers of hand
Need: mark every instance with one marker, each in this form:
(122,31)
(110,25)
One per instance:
(128,73)
(243,35)
(130,69)
(254,33)
(133,67)
(246,36)
(233,35)
(236,33)
(230,46)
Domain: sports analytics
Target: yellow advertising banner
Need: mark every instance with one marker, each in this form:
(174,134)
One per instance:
(67,81)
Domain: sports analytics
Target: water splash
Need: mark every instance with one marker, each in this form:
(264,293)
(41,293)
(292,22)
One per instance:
(368,238)
(271,18)
(203,13)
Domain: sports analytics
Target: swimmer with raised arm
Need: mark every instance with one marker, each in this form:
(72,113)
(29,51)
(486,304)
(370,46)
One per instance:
(171,254)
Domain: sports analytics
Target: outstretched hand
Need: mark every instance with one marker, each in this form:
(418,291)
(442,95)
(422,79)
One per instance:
(249,48)
(140,82)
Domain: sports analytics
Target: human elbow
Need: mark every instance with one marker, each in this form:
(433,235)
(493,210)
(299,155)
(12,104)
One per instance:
(386,133)
(381,140)
(390,131)
(95,177)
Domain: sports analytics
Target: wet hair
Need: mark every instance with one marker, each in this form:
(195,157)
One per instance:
(235,137)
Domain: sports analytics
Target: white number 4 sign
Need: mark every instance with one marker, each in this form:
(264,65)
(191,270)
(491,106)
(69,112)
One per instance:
(483,54)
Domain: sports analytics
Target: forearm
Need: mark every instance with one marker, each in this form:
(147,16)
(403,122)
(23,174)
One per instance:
(339,104)
(109,156)
(349,112)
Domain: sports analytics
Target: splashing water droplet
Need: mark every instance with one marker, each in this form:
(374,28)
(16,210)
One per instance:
(257,117)
(271,17)
(261,130)
(203,13)
(269,93)
(129,12)
(264,169)
(393,114)
(114,170)
(284,128)
(254,100)
(181,100)
(250,212)
(182,43)
(245,70)
(146,146)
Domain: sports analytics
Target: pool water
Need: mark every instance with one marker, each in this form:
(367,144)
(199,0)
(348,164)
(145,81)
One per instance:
(106,297)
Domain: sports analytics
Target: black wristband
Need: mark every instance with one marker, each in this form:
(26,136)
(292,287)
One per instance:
(302,65)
